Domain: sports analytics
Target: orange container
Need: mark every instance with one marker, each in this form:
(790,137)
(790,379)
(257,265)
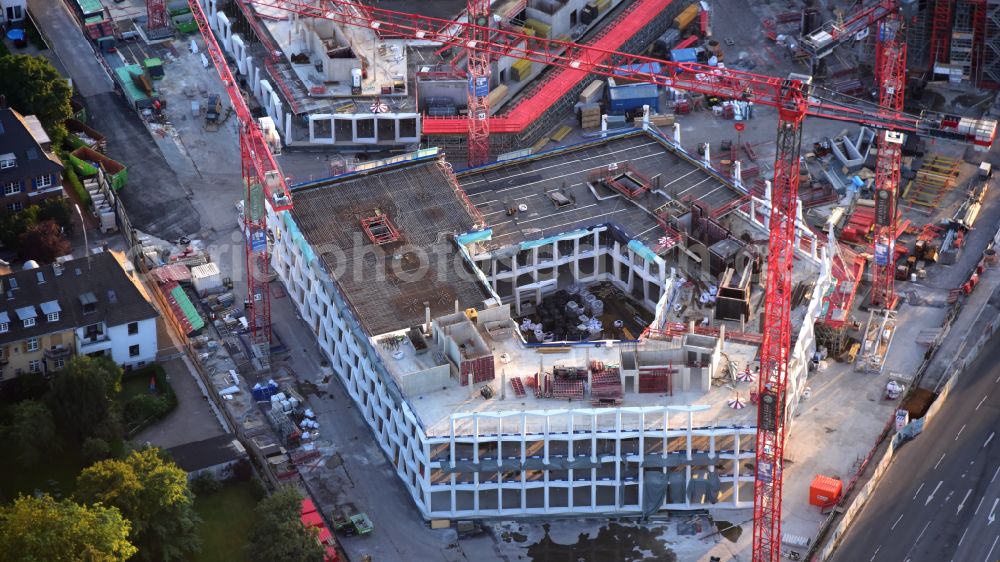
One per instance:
(825,490)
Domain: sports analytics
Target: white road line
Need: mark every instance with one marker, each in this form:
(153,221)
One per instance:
(939,461)
(988,439)
(963,536)
(931,496)
(991,518)
(876,553)
(962,505)
(994,545)
(960,432)
(980,505)
(917,493)
(922,532)
(998,380)
(981,401)
(897,522)
(995,475)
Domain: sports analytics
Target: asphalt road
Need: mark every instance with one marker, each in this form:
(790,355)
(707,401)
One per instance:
(940,499)
(65,38)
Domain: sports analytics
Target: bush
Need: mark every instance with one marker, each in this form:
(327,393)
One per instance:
(76,185)
(95,449)
(143,408)
(205,484)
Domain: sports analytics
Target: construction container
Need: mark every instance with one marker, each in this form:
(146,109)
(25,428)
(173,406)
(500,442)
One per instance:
(520,70)
(541,29)
(207,279)
(665,42)
(588,14)
(154,68)
(603,5)
(684,55)
(685,18)
(824,490)
(622,99)
(592,93)
(83,157)
(497,95)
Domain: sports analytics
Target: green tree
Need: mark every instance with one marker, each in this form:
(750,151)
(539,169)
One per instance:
(152,492)
(34,87)
(82,398)
(43,529)
(278,533)
(31,432)
(14,225)
(43,242)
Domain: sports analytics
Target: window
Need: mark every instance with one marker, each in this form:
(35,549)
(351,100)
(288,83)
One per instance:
(133,351)
(11,188)
(29,322)
(31,344)
(41,182)
(4,327)
(34,366)
(7,163)
(60,363)
(133,328)
(14,207)
(52,317)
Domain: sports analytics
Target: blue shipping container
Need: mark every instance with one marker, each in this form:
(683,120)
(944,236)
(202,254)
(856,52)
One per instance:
(684,55)
(622,99)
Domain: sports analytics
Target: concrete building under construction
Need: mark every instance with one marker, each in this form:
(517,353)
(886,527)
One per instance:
(545,335)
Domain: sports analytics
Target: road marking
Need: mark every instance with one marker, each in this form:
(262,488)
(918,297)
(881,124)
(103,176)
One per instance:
(922,487)
(991,518)
(998,380)
(961,505)
(988,554)
(963,536)
(960,432)
(988,439)
(922,533)
(897,522)
(939,461)
(876,553)
(980,505)
(981,402)
(930,497)
(995,474)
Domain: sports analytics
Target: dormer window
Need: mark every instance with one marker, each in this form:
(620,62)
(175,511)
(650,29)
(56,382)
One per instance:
(7,161)
(4,322)
(51,310)
(27,315)
(89,302)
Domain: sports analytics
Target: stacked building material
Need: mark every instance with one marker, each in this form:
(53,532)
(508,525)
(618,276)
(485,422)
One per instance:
(571,390)
(606,387)
(518,386)
(656,381)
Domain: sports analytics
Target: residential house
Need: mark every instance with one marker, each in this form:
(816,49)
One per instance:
(216,456)
(86,306)
(13,11)
(29,171)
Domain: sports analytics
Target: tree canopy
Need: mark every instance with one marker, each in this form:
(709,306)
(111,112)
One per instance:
(152,493)
(278,533)
(43,242)
(34,87)
(81,398)
(45,530)
(31,432)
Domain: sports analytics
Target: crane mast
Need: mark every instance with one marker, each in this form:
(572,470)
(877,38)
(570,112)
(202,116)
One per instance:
(891,76)
(777,329)
(479,81)
(264,186)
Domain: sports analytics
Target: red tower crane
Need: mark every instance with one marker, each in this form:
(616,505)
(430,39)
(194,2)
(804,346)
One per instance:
(264,185)
(890,73)
(156,14)
(794,100)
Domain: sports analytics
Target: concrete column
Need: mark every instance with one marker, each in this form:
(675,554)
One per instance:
(707,158)
(738,174)
(677,134)
(500,460)
(604,125)
(475,459)
(517,293)
(645,117)
(576,259)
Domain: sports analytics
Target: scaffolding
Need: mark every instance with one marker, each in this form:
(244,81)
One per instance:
(991,51)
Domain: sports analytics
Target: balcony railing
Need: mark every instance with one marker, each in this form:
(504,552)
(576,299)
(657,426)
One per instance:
(57,352)
(95,338)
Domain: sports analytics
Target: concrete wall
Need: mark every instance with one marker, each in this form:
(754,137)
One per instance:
(426,381)
(119,341)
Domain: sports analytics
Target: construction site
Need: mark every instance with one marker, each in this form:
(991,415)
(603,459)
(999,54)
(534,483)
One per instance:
(617,258)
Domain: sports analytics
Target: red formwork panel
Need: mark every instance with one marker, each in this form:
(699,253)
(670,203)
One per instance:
(655,381)
(482,369)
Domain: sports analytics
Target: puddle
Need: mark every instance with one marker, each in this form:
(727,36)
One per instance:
(612,542)
(727,530)
(511,536)
(309,388)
